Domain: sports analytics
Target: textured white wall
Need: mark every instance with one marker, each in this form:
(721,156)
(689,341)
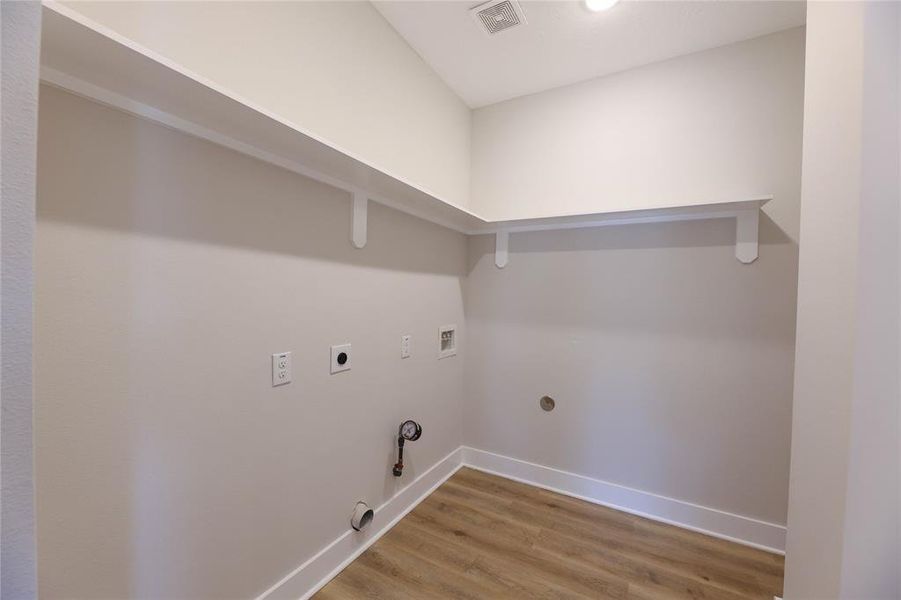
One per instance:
(843,505)
(21,25)
(716,125)
(168,271)
(336,69)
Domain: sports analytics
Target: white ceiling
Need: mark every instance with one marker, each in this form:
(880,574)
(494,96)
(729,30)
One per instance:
(564,42)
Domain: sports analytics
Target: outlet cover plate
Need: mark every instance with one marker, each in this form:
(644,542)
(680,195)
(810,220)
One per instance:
(281,368)
(341,356)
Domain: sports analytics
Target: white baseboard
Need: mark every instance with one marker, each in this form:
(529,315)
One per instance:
(312,575)
(710,521)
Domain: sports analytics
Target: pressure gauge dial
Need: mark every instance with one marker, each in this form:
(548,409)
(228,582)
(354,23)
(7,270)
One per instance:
(410,430)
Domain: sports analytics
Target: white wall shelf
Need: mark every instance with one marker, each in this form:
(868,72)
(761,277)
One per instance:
(745,212)
(90,60)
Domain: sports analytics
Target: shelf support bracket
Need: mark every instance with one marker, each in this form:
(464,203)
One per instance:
(501,242)
(358,222)
(746,225)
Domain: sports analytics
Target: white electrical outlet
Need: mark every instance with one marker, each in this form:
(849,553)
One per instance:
(340,358)
(405,343)
(281,368)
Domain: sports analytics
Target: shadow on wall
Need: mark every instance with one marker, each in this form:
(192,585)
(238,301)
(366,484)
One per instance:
(136,189)
(676,234)
(617,279)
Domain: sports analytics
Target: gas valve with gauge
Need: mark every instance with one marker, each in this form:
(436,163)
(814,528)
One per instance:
(409,431)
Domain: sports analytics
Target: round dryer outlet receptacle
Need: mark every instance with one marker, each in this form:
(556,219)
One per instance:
(547,403)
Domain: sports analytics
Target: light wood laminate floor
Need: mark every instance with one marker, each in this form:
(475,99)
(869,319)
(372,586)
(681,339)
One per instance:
(479,536)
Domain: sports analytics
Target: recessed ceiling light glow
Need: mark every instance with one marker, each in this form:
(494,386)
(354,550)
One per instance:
(599,5)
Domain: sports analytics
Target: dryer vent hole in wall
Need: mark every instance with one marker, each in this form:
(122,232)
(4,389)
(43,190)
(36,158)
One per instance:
(362,516)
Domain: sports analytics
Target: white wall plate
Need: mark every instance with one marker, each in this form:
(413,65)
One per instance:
(447,341)
(340,358)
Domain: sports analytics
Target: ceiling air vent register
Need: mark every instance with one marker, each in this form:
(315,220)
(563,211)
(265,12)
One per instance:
(498,15)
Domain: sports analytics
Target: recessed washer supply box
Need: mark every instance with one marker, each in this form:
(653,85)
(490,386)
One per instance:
(447,341)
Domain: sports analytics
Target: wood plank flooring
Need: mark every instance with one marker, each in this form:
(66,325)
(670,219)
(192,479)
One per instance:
(479,536)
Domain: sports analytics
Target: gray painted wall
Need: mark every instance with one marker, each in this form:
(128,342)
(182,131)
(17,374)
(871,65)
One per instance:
(168,271)
(670,361)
